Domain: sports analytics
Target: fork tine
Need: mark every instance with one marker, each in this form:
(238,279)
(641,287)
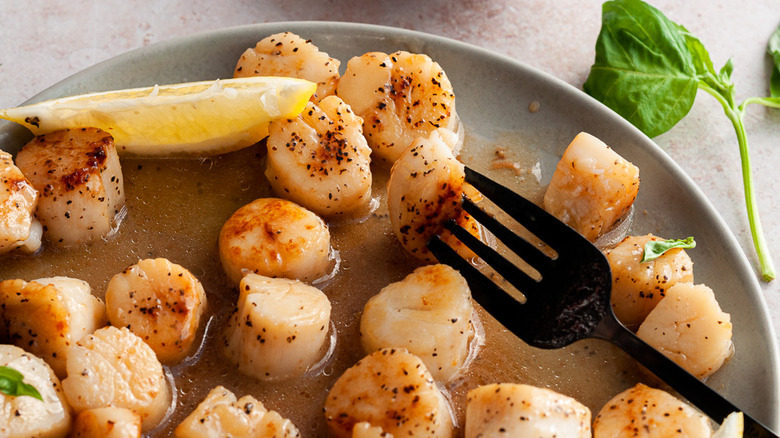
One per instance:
(524,249)
(511,273)
(539,222)
(502,306)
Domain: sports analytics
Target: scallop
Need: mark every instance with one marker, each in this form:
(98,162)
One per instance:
(79,180)
(25,416)
(429,313)
(287,54)
(689,327)
(320,159)
(401,96)
(279,329)
(509,409)
(592,188)
(159,301)
(641,411)
(275,238)
(18,200)
(221,414)
(109,422)
(390,389)
(426,186)
(366,430)
(113,367)
(49,315)
(638,287)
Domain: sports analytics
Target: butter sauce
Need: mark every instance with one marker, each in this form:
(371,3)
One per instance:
(176,208)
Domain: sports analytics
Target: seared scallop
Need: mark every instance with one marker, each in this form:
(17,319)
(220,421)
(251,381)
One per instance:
(401,96)
(689,327)
(509,409)
(287,54)
(279,328)
(25,416)
(18,199)
(222,415)
(114,367)
(391,389)
(366,430)
(275,238)
(426,186)
(159,301)
(109,422)
(320,159)
(592,188)
(429,313)
(79,180)
(637,287)
(49,315)
(647,412)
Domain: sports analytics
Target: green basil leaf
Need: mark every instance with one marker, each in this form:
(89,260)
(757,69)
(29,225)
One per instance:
(699,55)
(656,248)
(726,71)
(644,69)
(11,383)
(773,47)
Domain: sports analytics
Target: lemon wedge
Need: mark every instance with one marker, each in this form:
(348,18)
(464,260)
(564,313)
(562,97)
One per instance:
(196,118)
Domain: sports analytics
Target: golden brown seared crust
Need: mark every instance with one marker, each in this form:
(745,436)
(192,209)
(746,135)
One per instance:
(161,302)
(48,316)
(66,159)
(79,178)
(425,190)
(275,238)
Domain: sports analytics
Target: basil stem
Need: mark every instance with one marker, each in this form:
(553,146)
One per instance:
(737,116)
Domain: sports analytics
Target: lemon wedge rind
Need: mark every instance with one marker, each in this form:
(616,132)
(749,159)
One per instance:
(196,118)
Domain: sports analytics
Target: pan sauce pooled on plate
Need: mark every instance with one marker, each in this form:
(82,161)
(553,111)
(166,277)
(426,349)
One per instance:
(346,412)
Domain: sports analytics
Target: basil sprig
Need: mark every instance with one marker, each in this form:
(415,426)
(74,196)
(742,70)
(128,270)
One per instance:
(656,248)
(11,384)
(648,69)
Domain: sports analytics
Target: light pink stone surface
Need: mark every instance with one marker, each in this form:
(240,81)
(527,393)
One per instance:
(44,41)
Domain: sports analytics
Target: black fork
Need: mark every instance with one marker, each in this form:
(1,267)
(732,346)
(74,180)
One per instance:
(571,301)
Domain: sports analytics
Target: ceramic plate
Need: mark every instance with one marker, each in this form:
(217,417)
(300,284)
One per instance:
(493,97)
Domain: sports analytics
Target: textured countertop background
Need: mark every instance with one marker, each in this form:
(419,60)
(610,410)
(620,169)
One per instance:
(44,41)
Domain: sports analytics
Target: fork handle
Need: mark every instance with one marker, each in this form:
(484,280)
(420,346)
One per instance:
(690,387)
